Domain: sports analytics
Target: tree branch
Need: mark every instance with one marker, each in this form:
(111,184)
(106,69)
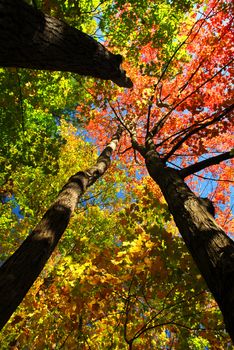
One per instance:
(31,39)
(197,129)
(181,132)
(194,168)
(168,63)
(202,20)
(120,119)
(149,110)
(127,311)
(163,120)
(140,148)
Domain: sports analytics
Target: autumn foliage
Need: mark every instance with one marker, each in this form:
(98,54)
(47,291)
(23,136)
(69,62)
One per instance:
(121,277)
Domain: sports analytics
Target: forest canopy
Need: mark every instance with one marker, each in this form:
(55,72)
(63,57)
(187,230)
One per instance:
(116,183)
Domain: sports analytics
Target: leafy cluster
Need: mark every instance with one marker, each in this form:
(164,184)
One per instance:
(121,278)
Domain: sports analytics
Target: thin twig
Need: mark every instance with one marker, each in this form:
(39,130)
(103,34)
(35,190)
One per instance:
(162,121)
(167,65)
(120,119)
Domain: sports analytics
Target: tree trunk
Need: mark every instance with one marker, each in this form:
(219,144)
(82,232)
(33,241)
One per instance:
(19,272)
(210,247)
(30,39)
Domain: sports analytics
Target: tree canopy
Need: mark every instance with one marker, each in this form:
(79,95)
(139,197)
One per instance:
(131,270)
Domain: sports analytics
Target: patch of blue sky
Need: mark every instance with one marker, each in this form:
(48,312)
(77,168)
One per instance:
(15,208)
(98,33)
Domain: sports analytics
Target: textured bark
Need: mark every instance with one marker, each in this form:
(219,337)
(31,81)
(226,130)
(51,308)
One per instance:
(30,39)
(19,272)
(210,247)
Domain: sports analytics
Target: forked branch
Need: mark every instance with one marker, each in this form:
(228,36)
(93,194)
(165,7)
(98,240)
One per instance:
(163,120)
(197,129)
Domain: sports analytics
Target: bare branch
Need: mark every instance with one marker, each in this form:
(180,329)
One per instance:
(197,129)
(126,150)
(169,307)
(181,89)
(183,43)
(200,64)
(127,310)
(162,121)
(120,119)
(203,177)
(194,168)
(212,179)
(179,133)
(169,62)
(149,110)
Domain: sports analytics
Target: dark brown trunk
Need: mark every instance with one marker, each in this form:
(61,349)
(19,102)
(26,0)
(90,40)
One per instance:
(30,39)
(210,247)
(19,272)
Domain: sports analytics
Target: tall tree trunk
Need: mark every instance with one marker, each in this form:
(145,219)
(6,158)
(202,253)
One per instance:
(210,247)
(30,39)
(19,272)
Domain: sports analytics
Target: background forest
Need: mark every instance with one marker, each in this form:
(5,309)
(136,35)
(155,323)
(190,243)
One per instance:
(121,276)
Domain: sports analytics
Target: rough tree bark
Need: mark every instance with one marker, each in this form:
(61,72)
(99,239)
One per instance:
(30,39)
(210,247)
(19,272)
